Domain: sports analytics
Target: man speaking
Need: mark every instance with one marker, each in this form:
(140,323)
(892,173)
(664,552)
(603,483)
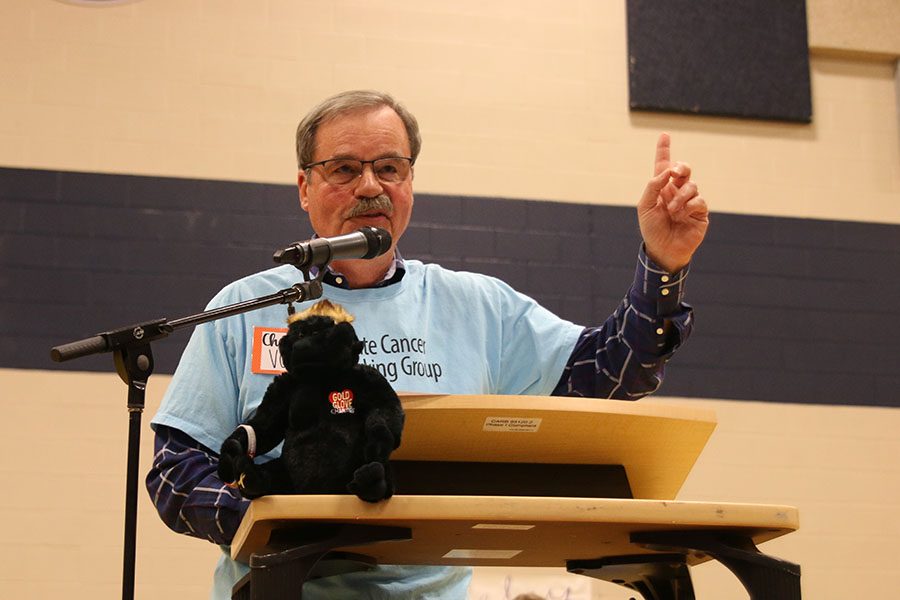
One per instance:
(356,154)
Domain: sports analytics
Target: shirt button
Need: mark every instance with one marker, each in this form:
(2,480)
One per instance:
(664,291)
(665,278)
(339,280)
(659,331)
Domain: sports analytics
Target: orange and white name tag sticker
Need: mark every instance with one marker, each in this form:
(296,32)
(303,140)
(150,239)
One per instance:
(266,357)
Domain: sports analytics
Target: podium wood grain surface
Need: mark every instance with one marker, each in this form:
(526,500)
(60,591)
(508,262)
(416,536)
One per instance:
(657,444)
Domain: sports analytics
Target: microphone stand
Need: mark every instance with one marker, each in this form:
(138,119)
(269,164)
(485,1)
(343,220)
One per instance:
(133,359)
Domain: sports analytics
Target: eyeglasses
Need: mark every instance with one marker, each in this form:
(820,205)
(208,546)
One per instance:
(341,171)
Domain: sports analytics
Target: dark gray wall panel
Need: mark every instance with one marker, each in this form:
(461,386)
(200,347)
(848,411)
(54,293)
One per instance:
(744,58)
(788,310)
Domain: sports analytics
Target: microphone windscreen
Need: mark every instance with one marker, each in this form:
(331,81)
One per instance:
(379,241)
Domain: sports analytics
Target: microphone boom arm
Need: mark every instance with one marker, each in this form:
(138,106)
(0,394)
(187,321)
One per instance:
(133,358)
(147,331)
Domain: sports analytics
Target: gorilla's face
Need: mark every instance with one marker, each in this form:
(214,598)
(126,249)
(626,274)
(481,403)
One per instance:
(318,343)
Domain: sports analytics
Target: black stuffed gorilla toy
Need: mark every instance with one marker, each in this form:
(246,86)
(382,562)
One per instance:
(339,420)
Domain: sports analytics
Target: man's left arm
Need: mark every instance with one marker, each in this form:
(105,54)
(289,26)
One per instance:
(625,357)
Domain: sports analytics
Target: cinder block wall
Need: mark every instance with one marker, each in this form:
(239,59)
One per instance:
(173,120)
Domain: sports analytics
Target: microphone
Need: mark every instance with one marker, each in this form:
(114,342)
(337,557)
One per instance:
(367,242)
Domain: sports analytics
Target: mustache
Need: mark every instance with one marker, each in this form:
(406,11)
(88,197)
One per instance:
(380,203)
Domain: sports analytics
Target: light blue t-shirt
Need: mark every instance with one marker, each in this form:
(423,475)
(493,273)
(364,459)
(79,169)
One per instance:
(435,331)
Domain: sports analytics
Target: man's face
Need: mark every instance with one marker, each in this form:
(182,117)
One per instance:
(366,134)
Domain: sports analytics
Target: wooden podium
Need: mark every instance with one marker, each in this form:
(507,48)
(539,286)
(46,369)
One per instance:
(520,451)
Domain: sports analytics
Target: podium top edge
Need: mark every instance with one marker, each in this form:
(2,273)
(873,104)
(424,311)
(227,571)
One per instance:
(681,410)
(540,508)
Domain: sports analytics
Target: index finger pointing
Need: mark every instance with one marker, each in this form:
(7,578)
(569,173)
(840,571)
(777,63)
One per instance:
(663,159)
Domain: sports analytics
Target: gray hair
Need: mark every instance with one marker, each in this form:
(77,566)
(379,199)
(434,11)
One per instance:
(346,102)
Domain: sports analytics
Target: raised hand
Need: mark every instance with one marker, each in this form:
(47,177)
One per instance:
(673,217)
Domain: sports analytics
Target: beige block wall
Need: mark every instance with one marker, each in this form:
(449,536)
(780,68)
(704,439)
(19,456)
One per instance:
(212,89)
(516,99)
(837,464)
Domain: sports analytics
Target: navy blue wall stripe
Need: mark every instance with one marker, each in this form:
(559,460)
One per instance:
(788,310)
